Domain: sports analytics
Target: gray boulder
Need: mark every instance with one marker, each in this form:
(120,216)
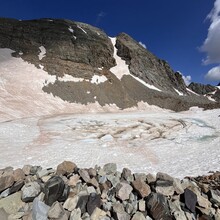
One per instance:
(30,191)
(39,210)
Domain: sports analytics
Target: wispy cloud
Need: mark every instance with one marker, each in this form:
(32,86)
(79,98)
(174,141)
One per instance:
(99,17)
(211,44)
(187,79)
(213,74)
(143,45)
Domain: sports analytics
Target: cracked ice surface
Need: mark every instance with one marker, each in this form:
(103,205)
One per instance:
(180,144)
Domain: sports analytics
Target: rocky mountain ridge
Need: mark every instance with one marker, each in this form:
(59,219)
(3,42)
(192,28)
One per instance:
(90,67)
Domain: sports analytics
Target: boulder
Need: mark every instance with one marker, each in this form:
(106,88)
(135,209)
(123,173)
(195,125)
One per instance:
(12,203)
(157,206)
(164,177)
(141,188)
(6,182)
(8,171)
(93,182)
(45,172)
(54,190)
(164,187)
(27,169)
(3,214)
(66,168)
(16,187)
(150,178)
(18,175)
(142,205)
(57,211)
(138,216)
(71,203)
(39,210)
(98,214)
(84,175)
(30,191)
(110,168)
(94,202)
(190,200)
(76,214)
(123,191)
(176,210)
(82,203)
(73,180)
(127,175)
(214,196)
(114,180)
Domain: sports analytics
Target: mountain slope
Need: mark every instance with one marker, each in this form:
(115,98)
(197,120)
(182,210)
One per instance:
(59,65)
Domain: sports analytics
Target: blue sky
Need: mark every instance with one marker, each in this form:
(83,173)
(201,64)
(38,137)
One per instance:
(173,30)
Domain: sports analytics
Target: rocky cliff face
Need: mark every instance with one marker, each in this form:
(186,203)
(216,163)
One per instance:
(89,67)
(212,92)
(148,67)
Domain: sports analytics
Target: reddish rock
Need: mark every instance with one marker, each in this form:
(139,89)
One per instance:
(18,175)
(6,182)
(93,182)
(84,175)
(141,188)
(123,191)
(66,167)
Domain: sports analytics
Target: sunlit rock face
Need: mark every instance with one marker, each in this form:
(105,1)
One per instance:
(86,66)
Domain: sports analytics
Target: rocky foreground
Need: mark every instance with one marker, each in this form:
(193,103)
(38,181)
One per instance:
(104,193)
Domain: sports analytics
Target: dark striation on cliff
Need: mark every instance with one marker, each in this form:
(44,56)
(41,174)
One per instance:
(82,51)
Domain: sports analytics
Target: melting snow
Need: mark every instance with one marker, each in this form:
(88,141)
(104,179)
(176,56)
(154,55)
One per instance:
(146,84)
(82,29)
(121,69)
(42,53)
(142,141)
(210,98)
(178,92)
(70,29)
(192,91)
(98,79)
(69,78)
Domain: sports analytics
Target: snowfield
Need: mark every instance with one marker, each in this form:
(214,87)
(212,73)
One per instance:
(179,144)
(39,129)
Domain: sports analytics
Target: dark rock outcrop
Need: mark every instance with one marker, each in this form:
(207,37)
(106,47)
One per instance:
(209,91)
(201,89)
(143,64)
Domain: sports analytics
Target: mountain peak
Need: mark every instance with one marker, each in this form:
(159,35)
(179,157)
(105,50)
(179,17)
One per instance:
(80,65)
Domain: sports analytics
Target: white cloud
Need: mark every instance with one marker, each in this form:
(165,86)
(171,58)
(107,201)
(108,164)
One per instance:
(212,43)
(187,79)
(213,74)
(143,45)
(99,17)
